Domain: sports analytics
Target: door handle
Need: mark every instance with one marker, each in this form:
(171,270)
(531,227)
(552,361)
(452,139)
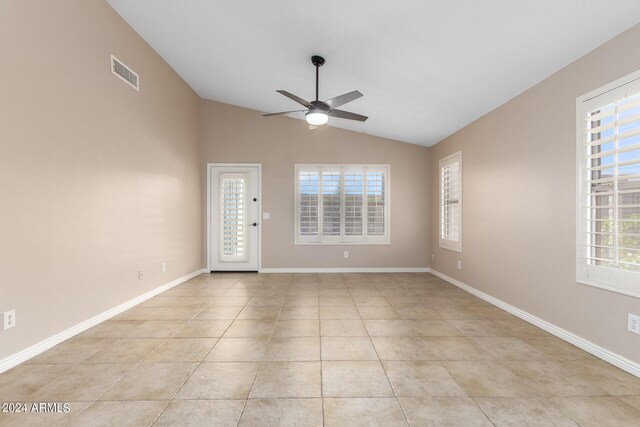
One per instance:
(255,224)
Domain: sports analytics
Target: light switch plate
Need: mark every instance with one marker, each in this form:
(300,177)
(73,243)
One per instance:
(266,215)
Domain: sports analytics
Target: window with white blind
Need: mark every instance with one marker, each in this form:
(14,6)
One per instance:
(233,224)
(451,202)
(342,204)
(608,208)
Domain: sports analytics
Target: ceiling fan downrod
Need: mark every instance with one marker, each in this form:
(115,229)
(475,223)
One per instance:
(317,61)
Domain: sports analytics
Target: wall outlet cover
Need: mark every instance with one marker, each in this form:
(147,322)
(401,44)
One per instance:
(9,319)
(346,254)
(634,324)
(266,215)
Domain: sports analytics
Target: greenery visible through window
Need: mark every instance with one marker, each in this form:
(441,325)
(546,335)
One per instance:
(613,159)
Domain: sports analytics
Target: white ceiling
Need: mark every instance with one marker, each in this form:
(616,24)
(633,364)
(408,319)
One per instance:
(426,67)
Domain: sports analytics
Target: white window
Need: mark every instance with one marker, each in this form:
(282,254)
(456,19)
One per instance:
(232,213)
(608,207)
(342,204)
(451,202)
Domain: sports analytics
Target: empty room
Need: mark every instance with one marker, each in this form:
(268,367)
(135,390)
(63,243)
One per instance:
(337,213)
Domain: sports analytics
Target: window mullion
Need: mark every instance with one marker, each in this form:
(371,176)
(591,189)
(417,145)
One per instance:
(342,206)
(615,186)
(443,203)
(320,208)
(365,205)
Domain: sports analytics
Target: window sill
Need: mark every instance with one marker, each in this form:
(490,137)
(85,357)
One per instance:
(341,243)
(619,289)
(451,246)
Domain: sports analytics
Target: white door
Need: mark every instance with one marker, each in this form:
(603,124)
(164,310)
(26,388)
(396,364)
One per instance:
(234,239)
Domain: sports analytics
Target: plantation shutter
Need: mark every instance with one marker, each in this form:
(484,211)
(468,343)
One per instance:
(233,217)
(342,204)
(331,212)
(308,202)
(375,204)
(451,202)
(353,203)
(610,185)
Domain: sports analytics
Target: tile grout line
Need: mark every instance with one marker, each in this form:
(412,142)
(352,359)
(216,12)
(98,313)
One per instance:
(351,287)
(393,390)
(321,364)
(199,363)
(140,363)
(246,402)
(421,338)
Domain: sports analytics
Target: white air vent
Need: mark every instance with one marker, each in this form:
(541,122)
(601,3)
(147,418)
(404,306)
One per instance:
(120,70)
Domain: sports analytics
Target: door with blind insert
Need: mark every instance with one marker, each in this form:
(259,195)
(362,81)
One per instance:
(234,238)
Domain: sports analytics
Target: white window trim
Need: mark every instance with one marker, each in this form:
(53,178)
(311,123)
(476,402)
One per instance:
(611,279)
(453,245)
(370,240)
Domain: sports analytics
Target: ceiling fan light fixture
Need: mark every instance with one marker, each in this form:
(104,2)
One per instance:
(317,118)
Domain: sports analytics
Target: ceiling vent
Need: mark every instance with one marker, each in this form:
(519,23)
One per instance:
(120,70)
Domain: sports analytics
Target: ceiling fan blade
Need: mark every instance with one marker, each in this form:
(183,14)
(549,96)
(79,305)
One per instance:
(343,99)
(282,112)
(347,115)
(295,98)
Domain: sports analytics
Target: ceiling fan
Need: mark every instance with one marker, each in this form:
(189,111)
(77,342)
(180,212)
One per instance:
(318,112)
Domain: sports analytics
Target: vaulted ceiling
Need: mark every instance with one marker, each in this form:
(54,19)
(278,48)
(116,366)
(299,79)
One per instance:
(426,67)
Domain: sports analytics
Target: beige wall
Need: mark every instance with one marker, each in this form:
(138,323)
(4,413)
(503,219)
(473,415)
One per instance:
(96,179)
(519,186)
(234,134)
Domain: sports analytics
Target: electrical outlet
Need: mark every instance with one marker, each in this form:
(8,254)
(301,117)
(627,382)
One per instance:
(459,265)
(346,254)
(163,267)
(634,324)
(9,319)
(266,215)
(433,257)
(140,274)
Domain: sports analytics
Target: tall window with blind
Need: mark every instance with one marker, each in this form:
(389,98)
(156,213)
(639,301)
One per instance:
(342,204)
(233,225)
(451,202)
(608,217)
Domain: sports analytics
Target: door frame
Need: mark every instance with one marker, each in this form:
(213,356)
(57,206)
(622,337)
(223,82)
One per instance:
(210,167)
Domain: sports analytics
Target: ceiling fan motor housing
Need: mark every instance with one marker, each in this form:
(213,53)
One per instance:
(320,106)
(317,60)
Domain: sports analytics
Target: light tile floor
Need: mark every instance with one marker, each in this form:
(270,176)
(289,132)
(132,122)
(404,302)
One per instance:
(320,349)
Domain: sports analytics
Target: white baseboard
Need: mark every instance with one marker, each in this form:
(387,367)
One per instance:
(26,354)
(604,354)
(347,270)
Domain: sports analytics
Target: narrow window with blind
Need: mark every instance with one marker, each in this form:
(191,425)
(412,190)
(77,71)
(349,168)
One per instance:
(451,202)
(342,204)
(233,224)
(608,217)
